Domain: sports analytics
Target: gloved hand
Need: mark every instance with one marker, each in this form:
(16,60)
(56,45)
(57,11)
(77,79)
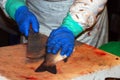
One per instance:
(24,19)
(61,39)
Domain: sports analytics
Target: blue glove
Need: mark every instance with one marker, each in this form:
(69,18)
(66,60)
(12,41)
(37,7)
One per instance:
(25,19)
(61,39)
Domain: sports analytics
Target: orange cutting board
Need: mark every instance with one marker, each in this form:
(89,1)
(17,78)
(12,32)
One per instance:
(84,60)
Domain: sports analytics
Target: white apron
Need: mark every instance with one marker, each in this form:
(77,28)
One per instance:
(51,14)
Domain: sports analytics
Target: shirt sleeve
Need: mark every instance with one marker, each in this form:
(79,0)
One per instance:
(85,12)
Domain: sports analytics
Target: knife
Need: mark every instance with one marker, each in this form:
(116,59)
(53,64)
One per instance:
(35,46)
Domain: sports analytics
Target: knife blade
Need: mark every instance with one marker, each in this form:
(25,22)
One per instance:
(35,46)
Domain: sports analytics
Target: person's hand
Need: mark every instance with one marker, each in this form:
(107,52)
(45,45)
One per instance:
(25,19)
(61,39)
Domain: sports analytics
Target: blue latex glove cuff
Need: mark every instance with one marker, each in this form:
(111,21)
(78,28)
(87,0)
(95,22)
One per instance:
(25,19)
(61,39)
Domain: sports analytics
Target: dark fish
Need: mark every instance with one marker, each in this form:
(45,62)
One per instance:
(49,63)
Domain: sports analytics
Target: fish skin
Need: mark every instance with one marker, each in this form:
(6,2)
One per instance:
(49,63)
(43,67)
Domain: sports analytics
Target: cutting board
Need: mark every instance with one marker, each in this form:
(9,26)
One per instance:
(85,63)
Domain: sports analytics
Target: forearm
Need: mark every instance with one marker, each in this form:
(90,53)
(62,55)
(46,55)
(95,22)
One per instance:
(84,13)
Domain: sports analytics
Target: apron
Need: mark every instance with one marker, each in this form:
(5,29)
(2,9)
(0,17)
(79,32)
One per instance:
(51,14)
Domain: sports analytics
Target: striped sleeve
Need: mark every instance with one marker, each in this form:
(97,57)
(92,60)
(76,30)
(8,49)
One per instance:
(84,13)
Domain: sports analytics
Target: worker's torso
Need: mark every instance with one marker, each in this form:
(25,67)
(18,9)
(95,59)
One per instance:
(51,14)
